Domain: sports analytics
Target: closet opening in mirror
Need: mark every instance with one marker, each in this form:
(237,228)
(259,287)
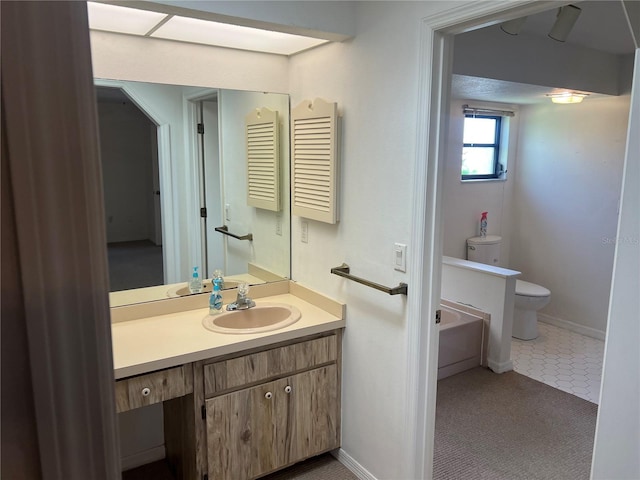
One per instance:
(131,185)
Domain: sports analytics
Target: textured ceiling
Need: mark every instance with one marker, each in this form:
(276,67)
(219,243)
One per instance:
(602,26)
(490,90)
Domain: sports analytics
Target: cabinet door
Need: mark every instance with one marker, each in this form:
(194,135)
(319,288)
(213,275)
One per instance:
(242,431)
(316,425)
(257,430)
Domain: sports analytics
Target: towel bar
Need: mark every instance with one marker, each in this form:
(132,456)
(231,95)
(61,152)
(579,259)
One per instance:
(225,230)
(343,271)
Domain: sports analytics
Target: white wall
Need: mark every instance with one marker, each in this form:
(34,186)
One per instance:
(374,80)
(568,183)
(126,156)
(267,251)
(463,202)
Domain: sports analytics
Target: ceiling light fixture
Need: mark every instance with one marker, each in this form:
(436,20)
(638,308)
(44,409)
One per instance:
(567,97)
(565,20)
(114,18)
(513,27)
(206,32)
(133,21)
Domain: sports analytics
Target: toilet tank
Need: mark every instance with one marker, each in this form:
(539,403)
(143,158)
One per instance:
(484,249)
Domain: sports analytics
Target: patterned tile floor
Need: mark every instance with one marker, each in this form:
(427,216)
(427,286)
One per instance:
(563,359)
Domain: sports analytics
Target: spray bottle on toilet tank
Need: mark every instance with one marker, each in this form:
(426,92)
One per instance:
(483,224)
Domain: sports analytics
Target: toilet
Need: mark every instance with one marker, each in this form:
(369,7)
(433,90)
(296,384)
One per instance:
(529,297)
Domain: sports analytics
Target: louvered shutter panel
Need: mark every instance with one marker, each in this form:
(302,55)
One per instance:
(263,160)
(314,144)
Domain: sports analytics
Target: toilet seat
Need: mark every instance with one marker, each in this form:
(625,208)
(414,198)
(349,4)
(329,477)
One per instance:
(528,289)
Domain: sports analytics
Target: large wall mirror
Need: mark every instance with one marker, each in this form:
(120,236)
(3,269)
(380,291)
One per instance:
(174,170)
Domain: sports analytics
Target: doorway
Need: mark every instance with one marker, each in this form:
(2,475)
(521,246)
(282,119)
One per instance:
(555,209)
(435,68)
(131,185)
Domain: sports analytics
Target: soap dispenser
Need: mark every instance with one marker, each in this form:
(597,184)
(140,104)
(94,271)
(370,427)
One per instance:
(218,279)
(195,285)
(215,300)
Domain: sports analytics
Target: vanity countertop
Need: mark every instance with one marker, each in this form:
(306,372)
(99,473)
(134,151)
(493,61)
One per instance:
(153,343)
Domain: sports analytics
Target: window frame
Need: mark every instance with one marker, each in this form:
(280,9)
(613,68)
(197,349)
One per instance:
(497,167)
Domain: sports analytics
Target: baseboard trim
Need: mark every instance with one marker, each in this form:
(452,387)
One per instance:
(500,367)
(349,462)
(142,458)
(571,326)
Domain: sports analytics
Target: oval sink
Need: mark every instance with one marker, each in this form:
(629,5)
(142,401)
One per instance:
(182,290)
(263,317)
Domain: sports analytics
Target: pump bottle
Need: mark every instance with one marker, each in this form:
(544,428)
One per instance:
(215,300)
(195,284)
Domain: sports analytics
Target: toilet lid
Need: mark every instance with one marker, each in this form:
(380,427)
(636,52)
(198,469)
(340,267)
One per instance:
(528,289)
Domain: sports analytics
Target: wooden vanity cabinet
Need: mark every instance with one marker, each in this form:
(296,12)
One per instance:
(283,407)
(244,415)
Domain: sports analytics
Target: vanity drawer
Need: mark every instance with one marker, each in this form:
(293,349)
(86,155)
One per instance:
(257,367)
(153,387)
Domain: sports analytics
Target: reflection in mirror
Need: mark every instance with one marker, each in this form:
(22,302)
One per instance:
(174,170)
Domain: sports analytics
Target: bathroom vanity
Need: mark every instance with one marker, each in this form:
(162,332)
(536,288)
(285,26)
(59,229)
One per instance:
(236,406)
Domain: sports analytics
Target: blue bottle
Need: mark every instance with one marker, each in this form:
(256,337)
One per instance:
(215,300)
(195,284)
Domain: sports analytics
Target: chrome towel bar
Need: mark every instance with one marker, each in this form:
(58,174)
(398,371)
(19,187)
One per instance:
(225,230)
(343,271)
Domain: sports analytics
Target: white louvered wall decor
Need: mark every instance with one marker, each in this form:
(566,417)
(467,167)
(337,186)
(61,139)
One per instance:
(263,160)
(314,145)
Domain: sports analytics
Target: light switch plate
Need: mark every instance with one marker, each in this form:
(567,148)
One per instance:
(304,231)
(400,257)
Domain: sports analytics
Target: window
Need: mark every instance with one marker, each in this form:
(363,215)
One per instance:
(480,152)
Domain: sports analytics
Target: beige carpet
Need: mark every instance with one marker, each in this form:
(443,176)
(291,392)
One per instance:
(323,467)
(510,427)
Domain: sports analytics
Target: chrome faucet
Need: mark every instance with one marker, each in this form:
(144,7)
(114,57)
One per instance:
(242,302)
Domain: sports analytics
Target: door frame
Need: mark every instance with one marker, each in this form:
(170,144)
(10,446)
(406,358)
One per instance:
(435,70)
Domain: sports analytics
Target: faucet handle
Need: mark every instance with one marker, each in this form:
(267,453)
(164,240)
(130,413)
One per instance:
(243,289)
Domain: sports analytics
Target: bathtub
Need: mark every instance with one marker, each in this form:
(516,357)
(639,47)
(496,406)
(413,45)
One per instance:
(462,340)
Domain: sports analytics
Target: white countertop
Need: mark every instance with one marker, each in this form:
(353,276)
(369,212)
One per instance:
(153,343)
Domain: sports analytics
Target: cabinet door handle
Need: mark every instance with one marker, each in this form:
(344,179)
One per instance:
(268,395)
(146,392)
(287,389)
